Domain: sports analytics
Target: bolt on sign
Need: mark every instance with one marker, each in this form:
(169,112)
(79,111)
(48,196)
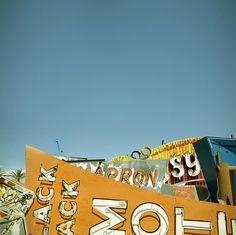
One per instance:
(72,201)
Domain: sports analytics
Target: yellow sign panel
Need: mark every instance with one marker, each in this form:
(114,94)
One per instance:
(165,151)
(70,200)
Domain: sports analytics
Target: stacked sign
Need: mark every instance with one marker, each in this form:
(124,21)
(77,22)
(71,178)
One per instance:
(74,201)
(172,168)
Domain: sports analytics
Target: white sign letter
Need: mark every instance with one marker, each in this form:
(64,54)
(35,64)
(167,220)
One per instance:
(45,198)
(179,172)
(68,213)
(222,224)
(47,175)
(191,164)
(182,224)
(42,213)
(150,207)
(65,227)
(70,189)
(104,206)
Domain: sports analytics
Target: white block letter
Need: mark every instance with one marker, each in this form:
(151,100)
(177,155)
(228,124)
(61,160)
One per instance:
(42,213)
(68,213)
(70,189)
(47,175)
(104,206)
(65,227)
(191,164)
(222,224)
(182,224)
(44,198)
(178,170)
(150,207)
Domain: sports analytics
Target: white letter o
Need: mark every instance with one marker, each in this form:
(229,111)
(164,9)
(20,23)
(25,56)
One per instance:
(150,207)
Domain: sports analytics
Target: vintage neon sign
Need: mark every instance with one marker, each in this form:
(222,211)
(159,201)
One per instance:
(106,206)
(73,201)
(181,224)
(127,172)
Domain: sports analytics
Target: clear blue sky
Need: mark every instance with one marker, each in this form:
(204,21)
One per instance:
(107,77)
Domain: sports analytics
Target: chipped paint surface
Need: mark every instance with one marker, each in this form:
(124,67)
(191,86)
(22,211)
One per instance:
(15,200)
(96,205)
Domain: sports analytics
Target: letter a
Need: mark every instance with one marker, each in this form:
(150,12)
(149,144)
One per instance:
(65,228)
(42,213)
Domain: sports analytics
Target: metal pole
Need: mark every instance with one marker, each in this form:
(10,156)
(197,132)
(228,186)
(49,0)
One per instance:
(58,148)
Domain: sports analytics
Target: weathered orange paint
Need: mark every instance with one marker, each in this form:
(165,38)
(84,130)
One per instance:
(96,186)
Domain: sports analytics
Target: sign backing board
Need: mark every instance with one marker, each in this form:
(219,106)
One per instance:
(70,200)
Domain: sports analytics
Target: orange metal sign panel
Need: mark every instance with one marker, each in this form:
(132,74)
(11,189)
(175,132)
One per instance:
(71,201)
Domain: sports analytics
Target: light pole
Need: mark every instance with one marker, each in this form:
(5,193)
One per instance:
(58,148)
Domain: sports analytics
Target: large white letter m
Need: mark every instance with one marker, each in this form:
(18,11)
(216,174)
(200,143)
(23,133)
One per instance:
(104,206)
